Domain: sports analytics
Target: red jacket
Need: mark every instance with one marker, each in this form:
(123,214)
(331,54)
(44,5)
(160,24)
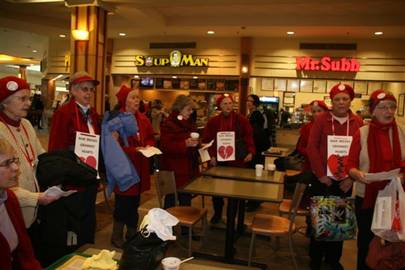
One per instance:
(141,163)
(303,142)
(65,122)
(221,123)
(317,144)
(177,156)
(23,256)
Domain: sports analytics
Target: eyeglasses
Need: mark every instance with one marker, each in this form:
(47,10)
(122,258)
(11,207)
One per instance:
(391,107)
(88,89)
(8,162)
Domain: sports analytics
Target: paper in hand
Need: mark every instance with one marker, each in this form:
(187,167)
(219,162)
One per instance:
(56,191)
(150,151)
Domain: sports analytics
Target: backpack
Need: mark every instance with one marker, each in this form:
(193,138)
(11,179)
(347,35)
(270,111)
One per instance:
(64,167)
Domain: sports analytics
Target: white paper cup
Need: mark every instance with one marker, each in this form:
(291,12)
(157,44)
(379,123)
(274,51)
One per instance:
(271,167)
(171,263)
(194,135)
(259,169)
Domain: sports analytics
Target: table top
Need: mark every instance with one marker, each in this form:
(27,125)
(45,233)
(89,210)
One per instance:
(277,152)
(247,174)
(228,188)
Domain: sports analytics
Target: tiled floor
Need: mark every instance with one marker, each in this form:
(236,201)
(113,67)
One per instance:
(214,239)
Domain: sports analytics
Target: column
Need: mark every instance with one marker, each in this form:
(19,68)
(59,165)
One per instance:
(89,53)
(245,53)
(22,71)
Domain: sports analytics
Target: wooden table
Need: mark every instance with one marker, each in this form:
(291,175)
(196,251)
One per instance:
(273,153)
(234,190)
(247,174)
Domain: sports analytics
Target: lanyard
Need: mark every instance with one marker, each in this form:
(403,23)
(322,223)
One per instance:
(333,125)
(24,150)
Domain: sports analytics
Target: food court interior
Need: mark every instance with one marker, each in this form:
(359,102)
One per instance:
(287,52)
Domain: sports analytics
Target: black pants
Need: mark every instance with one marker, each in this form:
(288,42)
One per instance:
(364,235)
(126,209)
(330,251)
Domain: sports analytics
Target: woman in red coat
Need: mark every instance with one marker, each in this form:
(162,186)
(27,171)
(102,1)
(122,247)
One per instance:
(179,149)
(339,124)
(15,245)
(127,202)
(377,147)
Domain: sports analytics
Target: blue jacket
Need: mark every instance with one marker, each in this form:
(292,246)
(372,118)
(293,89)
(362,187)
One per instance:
(119,169)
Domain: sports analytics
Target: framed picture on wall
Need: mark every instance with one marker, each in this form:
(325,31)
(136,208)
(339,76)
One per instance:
(319,86)
(289,99)
(267,84)
(306,86)
(401,105)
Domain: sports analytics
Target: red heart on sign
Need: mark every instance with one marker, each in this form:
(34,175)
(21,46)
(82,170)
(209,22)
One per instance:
(221,152)
(337,165)
(91,161)
(229,151)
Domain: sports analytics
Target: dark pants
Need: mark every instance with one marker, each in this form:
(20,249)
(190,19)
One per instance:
(218,203)
(126,209)
(331,251)
(364,235)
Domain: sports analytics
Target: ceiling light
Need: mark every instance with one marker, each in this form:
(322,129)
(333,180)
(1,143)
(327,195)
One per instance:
(34,51)
(174,77)
(122,34)
(210,32)
(62,35)
(245,69)
(290,33)
(195,77)
(378,33)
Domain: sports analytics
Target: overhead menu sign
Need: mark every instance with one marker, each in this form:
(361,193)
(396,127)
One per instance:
(175,59)
(327,64)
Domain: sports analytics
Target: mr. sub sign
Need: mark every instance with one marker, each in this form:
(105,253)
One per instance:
(327,64)
(174,59)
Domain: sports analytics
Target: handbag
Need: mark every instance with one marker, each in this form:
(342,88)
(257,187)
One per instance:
(241,150)
(143,251)
(384,255)
(333,218)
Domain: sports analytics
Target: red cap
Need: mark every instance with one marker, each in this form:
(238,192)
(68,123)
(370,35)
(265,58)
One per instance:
(379,95)
(10,85)
(82,76)
(221,97)
(319,103)
(123,94)
(341,88)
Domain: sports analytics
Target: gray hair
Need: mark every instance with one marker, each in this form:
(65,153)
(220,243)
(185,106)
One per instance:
(181,102)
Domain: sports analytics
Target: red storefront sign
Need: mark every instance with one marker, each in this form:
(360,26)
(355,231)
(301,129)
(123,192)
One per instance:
(327,64)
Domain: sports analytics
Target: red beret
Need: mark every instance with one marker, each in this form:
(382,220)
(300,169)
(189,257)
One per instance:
(319,103)
(123,94)
(10,85)
(379,95)
(341,88)
(82,76)
(221,97)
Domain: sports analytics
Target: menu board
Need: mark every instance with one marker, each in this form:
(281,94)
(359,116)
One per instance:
(280,84)
(267,84)
(306,86)
(319,86)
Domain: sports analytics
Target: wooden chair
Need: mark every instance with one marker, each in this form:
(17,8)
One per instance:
(272,225)
(188,216)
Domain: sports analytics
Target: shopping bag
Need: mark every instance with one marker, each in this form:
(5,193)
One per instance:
(389,212)
(333,218)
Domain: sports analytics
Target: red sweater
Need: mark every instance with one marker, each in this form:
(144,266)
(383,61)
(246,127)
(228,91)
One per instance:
(23,256)
(229,123)
(65,122)
(303,142)
(317,148)
(141,163)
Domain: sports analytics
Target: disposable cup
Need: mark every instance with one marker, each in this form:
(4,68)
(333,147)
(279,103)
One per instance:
(271,168)
(259,169)
(194,135)
(171,263)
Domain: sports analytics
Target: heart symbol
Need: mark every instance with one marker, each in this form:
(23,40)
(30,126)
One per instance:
(222,152)
(337,165)
(229,151)
(91,161)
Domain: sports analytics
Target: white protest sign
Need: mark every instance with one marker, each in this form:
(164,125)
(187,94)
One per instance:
(226,146)
(338,151)
(87,148)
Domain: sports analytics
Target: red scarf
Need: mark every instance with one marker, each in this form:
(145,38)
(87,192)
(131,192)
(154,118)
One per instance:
(382,156)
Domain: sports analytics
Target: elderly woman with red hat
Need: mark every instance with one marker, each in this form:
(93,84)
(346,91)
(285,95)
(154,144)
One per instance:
(338,124)
(127,202)
(377,147)
(226,121)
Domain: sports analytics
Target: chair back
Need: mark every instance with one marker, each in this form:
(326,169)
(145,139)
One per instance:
(165,184)
(296,201)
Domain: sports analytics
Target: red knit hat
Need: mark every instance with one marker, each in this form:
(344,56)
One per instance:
(319,103)
(221,97)
(379,95)
(123,94)
(341,88)
(10,85)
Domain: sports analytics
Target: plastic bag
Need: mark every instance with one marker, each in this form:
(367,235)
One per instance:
(389,212)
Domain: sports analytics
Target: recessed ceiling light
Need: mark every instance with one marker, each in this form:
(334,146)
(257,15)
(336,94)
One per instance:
(136,76)
(62,35)
(290,33)
(195,77)
(378,33)
(174,77)
(122,34)
(210,32)
(34,51)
